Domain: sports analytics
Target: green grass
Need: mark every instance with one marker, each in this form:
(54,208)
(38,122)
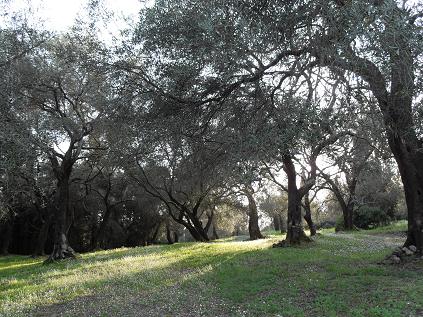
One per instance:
(337,275)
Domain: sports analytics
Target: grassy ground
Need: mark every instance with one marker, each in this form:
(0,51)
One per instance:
(335,276)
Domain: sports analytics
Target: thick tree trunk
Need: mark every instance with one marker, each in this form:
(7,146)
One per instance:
(192,224)
(348,215)
(295,234)
(253,225)
(198,226)
(403,140)
(410,162)
(61,247)
(196,235)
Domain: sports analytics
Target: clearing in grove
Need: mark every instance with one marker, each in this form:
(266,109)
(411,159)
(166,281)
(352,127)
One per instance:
(337,275)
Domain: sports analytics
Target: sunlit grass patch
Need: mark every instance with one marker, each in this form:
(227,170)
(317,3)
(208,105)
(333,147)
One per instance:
(231,277)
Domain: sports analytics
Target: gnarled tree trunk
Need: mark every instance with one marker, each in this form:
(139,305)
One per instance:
(295,234)
(61,247)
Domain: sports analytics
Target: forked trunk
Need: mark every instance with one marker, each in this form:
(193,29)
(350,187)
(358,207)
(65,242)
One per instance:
(295,234)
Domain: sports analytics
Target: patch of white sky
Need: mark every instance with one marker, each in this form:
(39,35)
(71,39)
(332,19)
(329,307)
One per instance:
(61,15)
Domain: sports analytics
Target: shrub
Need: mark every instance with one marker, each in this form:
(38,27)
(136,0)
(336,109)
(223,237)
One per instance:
(367,217)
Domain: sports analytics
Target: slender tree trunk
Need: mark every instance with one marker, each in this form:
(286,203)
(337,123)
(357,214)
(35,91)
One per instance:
(253,225)
(276,222)
(61,247)
(282,224)
(98,241)
(175,236)
(156,233)
(168,233)
(215,236)
(307,216)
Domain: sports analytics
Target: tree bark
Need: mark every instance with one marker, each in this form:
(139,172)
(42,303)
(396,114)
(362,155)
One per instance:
(61,247)
(168,233)
(396,106)
(98,241)
(295,234)
(253,225)
(282,223)
(307,216)
(276,222)
(215,236)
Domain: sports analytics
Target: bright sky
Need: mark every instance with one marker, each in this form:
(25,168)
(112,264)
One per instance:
(59,15)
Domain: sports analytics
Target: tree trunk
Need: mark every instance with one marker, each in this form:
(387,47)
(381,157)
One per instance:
(175,236)
(402,138)
(198,226)
(42,235)
(282,224)
(253,225)
(310,223)
(215,236)
(410,163)
(168,233)
(155,233)
(61,247)
(348,215)
(295,233)
(307,216)
(276,222)
(98,241)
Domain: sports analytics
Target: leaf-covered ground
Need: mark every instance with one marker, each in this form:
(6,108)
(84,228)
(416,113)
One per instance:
(337,275)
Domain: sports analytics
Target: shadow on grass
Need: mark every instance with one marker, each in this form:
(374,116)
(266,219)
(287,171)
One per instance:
(233,278)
